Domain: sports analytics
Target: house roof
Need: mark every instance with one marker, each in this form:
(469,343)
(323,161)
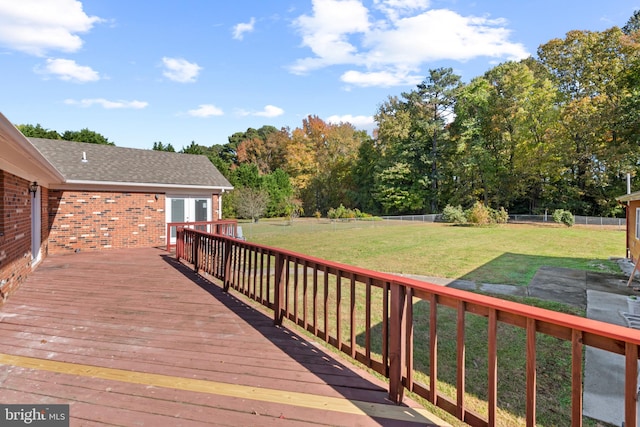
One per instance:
(19,157)
(107,164)
(629,197)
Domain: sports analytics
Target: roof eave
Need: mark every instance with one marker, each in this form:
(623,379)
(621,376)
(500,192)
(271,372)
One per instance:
(135,186)
(38,168)
(629,197)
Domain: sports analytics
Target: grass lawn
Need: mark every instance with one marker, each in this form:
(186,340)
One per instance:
(505,254)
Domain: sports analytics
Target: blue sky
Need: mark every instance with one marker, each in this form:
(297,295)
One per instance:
(200,70)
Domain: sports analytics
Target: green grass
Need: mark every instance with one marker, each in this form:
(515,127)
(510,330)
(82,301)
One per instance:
(507,254)
(502,254)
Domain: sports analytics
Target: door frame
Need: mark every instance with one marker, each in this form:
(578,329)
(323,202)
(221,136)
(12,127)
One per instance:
(36,227)
(189,207)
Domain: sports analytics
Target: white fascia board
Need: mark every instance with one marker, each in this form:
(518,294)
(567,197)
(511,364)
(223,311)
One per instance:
(135,186)
(22,158)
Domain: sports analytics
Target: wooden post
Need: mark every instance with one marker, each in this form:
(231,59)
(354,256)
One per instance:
(631,384)
(397,342)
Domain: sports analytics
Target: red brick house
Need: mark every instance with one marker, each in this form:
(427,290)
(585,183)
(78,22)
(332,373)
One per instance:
(61,196)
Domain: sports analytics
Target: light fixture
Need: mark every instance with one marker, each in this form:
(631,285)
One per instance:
(33,188)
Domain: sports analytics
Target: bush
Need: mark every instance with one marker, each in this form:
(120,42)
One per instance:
(345,213)
(479,214)
(454,214)
(563,217)
(500,216)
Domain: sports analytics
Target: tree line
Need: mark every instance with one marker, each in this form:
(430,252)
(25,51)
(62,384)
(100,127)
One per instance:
(554,131)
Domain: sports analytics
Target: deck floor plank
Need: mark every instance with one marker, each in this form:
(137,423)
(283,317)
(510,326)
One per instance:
(140,311)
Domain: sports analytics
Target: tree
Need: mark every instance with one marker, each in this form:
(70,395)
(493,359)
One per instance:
(193,148)
(432,107)
(633,24)
(86,135)
(588,68)
(159,146)
(251,202)
(280,191)
(38,131)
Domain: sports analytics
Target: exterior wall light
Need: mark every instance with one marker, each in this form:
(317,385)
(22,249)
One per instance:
(33,188)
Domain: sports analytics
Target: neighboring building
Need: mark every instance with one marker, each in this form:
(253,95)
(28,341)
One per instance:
(61,196)
(632,201)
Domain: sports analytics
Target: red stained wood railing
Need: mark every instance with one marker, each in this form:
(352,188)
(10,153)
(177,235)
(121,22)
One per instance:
(227,227)
(330,299)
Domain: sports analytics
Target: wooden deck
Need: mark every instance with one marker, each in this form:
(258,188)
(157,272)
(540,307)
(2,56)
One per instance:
(132,337)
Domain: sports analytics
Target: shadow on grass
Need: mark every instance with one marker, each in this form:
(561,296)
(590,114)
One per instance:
(519,269)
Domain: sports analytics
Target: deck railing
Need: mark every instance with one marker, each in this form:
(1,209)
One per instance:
(333,301)
(227,227)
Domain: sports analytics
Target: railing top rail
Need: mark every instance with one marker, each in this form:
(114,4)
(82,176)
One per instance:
(590,326)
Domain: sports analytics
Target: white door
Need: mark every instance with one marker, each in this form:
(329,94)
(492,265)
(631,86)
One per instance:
(36,227)
(187,209)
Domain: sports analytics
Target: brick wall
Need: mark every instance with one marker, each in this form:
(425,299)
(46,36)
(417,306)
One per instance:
(15,232)
(81,220)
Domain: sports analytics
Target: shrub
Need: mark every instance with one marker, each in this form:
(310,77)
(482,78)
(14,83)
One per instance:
(479,214)
(500,216)
(454,214)
(563,217)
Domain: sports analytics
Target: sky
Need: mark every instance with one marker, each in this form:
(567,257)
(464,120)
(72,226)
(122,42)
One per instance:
(177,71)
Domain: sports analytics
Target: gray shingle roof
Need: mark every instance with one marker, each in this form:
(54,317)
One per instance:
(107,163)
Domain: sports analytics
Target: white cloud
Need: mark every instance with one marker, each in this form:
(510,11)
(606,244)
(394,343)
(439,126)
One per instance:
(270,111)
(395,39)
(109,105)
(357,121)
(206,110)
(380,78)
(180,70)
(241,28)
(36,26)
(326,33)
(69,70)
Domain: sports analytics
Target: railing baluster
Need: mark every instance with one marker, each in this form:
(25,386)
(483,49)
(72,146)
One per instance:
(339,309)
(262,298)
(576,378)
(531,372)
(296,267)
(492,364)
(227,265)
(367,327)
(287,272)
(304,295)
(385,328)
(315,299)
(433,349)
(279,290)
(352,314)
(326,304)
(460,377)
